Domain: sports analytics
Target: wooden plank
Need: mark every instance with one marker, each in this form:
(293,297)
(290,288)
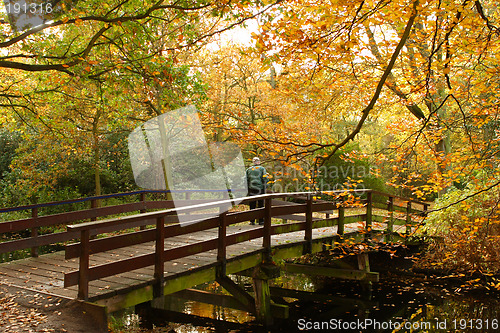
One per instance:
(109,243)
(57,260)
(23,283)
(244,216)
(327,222)
(332,272)
(324,207)
(244,236)
(239,293)
(32,279)
(28,272)
(41,266)
(278,229)
(292,217)
(122,266)
(105,270)
(44,263)
(207,297)
(279,311)
(158,204)
(397,196)
(53,273)
(138,237)
(65,218)
(278,202)
(40,240)
(383,206)
(287,210)
(141,274)
(354,218)
(167,204)
(313,296)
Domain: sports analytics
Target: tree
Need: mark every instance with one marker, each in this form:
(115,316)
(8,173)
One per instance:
(432,68)
(100,67)
(426,54)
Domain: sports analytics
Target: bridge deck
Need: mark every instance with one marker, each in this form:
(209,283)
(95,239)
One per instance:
(46,273)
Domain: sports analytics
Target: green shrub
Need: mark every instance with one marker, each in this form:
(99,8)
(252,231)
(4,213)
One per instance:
(340,172)
(467,233)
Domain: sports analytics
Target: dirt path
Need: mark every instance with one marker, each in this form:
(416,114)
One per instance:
(30,311)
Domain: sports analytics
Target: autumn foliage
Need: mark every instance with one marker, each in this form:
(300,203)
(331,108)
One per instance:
(415,84)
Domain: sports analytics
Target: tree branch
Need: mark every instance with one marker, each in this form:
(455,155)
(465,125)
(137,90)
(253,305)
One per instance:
(57,67)
(380,84)
(480,10)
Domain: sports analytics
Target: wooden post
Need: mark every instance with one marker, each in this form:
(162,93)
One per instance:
(308,231)
(340,225)
(369,215)
(34,232)
(369,211)
(426,208)
(263,301)
(159,256)
(364,265)
(188,196)
(142,198)
(341,218)
(390,224)
(93,205)
(363,262)
(260,278)
(408,218)
(222,243)
(83,272)
(267,228)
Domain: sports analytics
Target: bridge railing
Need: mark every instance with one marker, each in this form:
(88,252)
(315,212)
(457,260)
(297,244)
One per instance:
(28,230)
(163,229)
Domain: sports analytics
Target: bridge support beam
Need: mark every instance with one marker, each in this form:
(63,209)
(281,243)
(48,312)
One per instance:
(364,266)
(340,273)
(238,293)
(262,301)
(263,305)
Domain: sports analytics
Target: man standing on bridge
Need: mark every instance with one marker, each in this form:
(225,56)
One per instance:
(257,183)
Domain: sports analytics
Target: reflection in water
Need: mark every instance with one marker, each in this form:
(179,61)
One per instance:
(397,303)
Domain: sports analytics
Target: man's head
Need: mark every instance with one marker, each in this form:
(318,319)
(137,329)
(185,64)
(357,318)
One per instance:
(256,161)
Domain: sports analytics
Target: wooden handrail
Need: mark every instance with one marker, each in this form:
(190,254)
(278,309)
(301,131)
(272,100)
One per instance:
(184,209)
(98,197)
(400,197)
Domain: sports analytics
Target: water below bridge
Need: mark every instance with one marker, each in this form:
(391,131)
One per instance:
(401,301)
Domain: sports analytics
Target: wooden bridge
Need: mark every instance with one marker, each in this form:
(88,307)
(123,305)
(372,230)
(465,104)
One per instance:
(123,261)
